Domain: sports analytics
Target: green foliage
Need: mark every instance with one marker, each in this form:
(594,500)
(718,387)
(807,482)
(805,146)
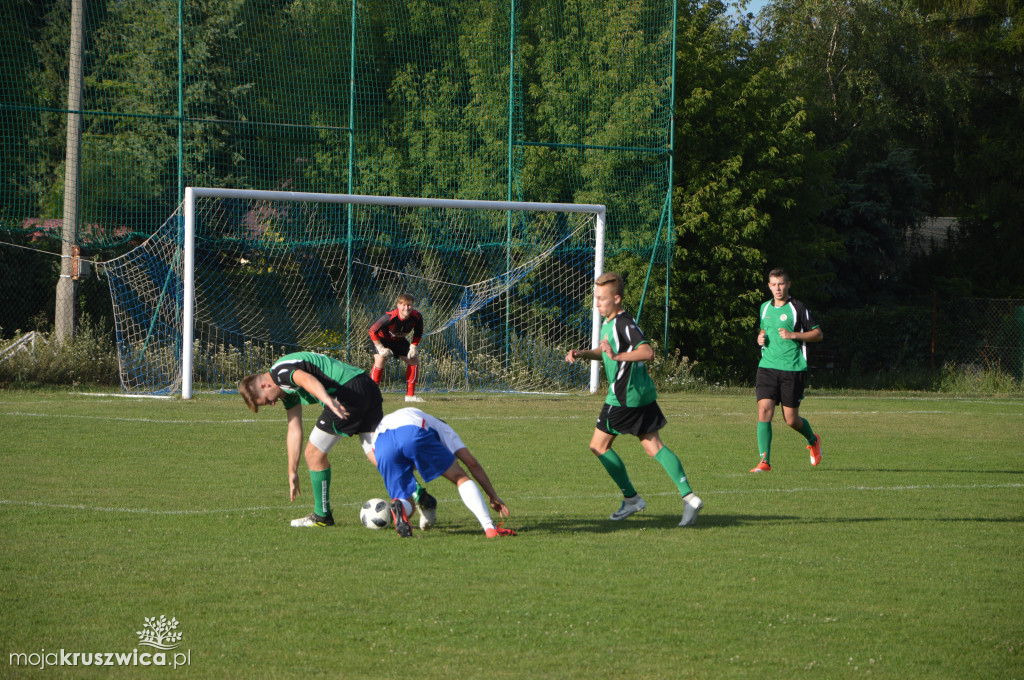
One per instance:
(673,372)
(974,380)
(747,191)
(87,359)
(936,78)
(878,219)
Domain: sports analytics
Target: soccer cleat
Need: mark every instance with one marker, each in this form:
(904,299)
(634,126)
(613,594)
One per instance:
(763,466)
(498,531)
(314,520)
(629,506)
(815,450)
(428,510)
(400,519)
(691,506)
(414,398)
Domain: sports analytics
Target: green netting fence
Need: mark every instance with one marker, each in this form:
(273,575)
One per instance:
(548,100)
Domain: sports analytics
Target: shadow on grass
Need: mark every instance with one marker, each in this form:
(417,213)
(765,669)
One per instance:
(647,521)
(718,520)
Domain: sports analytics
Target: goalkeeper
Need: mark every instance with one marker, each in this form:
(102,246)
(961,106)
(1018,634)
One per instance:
(352,404)
(409,440)
(388,336)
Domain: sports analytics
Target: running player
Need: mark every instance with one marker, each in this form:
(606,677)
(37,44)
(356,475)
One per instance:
(631,406)
(388,336)
(786,328)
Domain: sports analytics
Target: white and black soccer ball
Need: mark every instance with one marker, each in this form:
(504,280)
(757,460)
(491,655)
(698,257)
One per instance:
(375,513)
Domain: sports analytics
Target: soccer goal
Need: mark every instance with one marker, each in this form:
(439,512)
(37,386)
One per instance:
(236,278)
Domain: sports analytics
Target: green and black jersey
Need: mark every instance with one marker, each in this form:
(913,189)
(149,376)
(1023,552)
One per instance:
(785,355)
(629,384)
(331,373)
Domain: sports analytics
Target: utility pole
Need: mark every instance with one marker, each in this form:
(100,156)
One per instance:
(67,286)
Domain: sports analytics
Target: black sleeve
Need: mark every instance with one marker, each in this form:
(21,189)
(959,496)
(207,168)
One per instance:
(804,321)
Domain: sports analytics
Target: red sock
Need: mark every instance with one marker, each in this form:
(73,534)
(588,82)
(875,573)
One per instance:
(376,374)
(410,378)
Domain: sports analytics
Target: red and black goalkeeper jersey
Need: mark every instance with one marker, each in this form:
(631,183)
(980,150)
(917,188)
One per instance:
(391,327)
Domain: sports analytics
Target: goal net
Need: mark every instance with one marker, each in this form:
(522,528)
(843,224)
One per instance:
(234,279)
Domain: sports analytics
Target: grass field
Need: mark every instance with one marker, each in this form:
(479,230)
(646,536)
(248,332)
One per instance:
(900,556)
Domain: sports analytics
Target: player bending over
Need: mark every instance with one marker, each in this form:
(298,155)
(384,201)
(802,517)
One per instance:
(409,440)
(388,336)
(352,405)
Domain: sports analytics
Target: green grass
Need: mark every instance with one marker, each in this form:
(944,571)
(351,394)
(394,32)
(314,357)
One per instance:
(901,556)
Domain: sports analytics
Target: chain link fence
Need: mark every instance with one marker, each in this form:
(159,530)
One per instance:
(28,288)
(980,334)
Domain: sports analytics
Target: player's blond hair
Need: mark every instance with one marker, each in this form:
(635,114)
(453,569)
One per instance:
(248,389)
(406,298)
(612,279)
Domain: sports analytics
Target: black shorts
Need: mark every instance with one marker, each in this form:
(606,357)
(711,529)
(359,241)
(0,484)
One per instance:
(634,420)
(362,398)
(782,387)
(399,347)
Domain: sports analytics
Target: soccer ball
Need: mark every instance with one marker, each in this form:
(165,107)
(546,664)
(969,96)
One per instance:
(375,513)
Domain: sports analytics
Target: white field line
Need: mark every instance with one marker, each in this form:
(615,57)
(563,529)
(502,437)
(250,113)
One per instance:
(587,416)
(136,420)
(124,396)
(704,494)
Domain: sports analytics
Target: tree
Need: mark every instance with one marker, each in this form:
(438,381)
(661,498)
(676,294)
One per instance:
(939,79)
(749,187)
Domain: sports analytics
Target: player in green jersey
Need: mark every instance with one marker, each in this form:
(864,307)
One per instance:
(631,406)
(786,327)
(352,405)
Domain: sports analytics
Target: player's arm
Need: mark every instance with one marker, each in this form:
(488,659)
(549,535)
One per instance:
(584,354)
(309,382)
(377,335)
(478,473)
(417,334)
(644,352)
(294,445)
(814,335)
(417,327)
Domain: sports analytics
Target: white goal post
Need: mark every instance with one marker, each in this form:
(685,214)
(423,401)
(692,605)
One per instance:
(189,244)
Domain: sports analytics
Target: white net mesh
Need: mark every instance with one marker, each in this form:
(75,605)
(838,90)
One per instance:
(503,294)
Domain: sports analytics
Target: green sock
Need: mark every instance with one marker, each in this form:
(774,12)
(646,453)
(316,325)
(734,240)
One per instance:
(764,440)
(417,492)
(807,432)
(617,470)
(674,468)
(321,482)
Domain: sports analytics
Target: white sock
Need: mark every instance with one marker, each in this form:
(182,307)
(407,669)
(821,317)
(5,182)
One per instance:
(474,500)
(407,506)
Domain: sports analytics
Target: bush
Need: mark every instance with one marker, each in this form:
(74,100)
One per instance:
(956,379)
(674,372)
(89,358)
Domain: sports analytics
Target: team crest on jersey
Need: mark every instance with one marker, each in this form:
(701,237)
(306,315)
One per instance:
(782,318)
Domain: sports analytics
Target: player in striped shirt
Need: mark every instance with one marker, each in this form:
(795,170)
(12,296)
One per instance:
(631,406)
(786,326)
